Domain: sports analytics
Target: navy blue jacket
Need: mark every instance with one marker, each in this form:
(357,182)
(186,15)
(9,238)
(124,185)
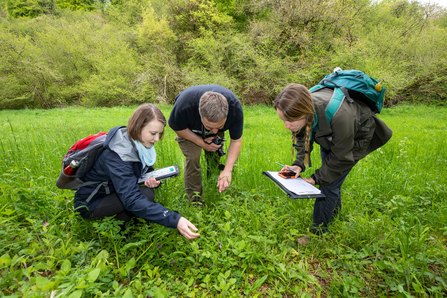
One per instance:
(120,165)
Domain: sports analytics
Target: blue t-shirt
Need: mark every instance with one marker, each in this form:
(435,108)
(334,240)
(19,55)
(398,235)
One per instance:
(185,113)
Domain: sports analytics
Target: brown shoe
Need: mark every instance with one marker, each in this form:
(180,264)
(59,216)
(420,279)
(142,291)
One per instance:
(303,240)
(198,205)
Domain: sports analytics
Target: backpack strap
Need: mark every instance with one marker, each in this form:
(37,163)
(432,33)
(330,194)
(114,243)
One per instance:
(105,184)
(334,104)
(345,91)
(339,94)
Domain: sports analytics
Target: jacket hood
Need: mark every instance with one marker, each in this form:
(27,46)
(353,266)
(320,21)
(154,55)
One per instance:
(119,142)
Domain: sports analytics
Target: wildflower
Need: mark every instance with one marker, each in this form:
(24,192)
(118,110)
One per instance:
(220,244)
(45,224)
(159,246)
(173,261)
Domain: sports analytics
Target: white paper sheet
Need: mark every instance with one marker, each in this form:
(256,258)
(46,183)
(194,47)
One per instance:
(297,186)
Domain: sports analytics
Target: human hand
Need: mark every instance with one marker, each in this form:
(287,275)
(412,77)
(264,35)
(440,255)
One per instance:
(209,146)
(184,225)
(310,180)
(297,170)
(224,181)
(152,182)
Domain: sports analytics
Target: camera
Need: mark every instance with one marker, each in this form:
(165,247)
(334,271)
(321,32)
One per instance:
(219,141)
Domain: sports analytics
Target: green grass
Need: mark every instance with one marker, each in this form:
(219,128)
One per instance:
(391,243)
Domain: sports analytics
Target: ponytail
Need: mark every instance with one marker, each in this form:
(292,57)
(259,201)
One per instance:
(307,142)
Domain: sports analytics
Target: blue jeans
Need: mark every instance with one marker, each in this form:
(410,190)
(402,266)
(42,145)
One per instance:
(325,210)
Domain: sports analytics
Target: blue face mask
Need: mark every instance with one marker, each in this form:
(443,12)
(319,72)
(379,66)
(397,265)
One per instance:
(146,155)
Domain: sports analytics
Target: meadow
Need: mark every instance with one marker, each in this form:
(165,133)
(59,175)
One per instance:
(392,241)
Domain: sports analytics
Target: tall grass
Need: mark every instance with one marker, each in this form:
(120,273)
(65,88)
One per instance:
(391,242)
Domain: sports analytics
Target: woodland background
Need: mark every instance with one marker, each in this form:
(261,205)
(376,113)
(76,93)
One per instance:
(56,53)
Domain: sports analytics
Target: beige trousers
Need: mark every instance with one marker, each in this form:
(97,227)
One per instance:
(193,171)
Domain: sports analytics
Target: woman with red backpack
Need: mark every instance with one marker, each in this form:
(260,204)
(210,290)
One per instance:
(128,153)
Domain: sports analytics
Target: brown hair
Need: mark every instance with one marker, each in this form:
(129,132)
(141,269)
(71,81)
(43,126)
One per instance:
(296,103)
(141,117)
(213,106)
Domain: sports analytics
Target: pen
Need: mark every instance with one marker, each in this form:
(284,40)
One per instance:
(287,167)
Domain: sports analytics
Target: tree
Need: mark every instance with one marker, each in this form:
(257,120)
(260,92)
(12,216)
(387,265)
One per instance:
(30,8)
(76,4)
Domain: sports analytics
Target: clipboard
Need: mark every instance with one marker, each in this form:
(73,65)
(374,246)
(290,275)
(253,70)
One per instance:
(160,174)
(309,192)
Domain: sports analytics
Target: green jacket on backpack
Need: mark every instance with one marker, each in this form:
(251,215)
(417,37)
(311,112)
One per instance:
(354,132)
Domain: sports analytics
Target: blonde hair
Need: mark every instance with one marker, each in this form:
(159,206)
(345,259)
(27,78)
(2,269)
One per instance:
(296,103)
(142,116)
(213,106)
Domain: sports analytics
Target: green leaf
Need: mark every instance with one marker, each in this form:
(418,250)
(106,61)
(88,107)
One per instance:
(76,294)
(93,275)
(241,245)
(131,263)
(381,265)
(41,282)
(48,286)
(5,261)
(123,272)
(103,254)
(191,259)
(128,294)
(227,274)
(259,282)
(66,266)
(134,244)
(227,226)
(8,212)
(115,285)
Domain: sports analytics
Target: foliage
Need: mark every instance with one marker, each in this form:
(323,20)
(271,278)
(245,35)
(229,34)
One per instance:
(127,52)
(29,8)
(77,59)
(125,13)
(391,242)
(75,4)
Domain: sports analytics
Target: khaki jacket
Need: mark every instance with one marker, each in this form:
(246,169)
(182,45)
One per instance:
(355,131)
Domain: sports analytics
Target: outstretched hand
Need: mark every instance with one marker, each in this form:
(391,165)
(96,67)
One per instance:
(184,226)
(224,181)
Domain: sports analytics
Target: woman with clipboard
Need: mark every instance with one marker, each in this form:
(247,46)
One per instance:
(353,133)
(128,152)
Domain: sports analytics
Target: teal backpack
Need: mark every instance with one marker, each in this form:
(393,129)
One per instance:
(352,85)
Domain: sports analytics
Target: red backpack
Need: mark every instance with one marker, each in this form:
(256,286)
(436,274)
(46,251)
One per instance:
(82,155)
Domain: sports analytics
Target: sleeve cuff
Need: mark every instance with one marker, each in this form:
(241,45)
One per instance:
(315,179)
(174,219)
(301,166)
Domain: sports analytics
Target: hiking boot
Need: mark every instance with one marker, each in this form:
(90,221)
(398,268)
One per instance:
(198,205)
